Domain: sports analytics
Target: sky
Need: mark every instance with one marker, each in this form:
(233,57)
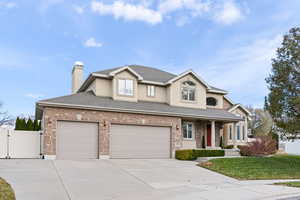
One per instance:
(229,43)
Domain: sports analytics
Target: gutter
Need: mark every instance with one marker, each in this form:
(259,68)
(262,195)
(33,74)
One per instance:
(59,105)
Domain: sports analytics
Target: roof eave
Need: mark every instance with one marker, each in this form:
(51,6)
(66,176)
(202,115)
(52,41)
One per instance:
(51,104)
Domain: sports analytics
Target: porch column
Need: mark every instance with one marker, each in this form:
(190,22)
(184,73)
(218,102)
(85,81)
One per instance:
(234,135)
(213,134)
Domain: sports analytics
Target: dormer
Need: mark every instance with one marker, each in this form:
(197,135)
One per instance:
(125,84)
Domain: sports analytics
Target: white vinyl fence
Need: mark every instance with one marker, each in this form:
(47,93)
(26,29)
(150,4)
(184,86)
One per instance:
(20,144)
(291,147)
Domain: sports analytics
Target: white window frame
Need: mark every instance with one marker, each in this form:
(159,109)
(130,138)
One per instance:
(238,132)
(189,89)
(128,87)
(230,132)
(150,90)
(189,137)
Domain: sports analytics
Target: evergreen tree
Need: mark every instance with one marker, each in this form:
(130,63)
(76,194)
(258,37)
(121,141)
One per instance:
(22,124)
(29,125)
(266,104)
(284,84)
(17,125)
(35,125)
(203,142)
(40,125)
(221,142)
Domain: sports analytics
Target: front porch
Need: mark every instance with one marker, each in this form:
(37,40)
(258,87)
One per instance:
(212,134)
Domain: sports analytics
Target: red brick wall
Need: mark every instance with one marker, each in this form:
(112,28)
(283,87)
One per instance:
(105,119)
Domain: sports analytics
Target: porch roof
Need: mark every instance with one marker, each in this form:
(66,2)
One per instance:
(87,100)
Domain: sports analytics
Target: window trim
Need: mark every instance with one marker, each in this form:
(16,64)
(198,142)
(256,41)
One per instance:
(238,132)
(214,99)
(123,94)
(230,132)
(189,88)
(187,123)
(149,91)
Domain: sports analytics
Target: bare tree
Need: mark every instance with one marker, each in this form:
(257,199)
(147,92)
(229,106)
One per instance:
(4,117)
(261,123)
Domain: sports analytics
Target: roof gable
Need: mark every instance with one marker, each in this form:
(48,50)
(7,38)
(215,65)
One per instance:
(186,73)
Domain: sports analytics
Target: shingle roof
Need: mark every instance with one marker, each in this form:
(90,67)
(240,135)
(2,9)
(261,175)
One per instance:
(90,101)
(148,73)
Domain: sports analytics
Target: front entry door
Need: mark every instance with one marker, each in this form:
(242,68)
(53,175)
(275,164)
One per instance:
(208,136)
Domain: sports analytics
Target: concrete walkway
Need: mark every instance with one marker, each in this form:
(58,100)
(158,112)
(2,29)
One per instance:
(130,179)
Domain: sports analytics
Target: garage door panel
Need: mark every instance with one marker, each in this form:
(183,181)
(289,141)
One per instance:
(77,140)
(129,141)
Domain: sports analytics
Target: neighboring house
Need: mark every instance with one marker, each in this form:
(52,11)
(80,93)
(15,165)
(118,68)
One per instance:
(138,112)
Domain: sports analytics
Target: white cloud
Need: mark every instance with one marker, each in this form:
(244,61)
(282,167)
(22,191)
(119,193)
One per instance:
(128,12)
(8,5)
(34,96)
(78,9)
(91,42)
(229,13)
(196,6)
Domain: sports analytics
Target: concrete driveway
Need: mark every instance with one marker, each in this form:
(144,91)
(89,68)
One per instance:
(130,179)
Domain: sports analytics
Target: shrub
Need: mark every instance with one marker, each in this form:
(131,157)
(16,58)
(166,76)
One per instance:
(263,145)
(221,142)
(208,153)
(193,154)
(229,147)
(203,142)
(186,154)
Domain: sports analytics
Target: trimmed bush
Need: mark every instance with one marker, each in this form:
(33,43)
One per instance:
(186,154)
(193,154)
(208,153)
(229,147)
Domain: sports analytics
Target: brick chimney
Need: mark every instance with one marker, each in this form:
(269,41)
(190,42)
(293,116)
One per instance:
(77,76)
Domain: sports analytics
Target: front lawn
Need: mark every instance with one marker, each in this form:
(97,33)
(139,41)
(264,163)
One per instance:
(290,184)
(6,192)
(275,167)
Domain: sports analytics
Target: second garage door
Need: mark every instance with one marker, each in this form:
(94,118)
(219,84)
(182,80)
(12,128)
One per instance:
(76,140)
(129,141)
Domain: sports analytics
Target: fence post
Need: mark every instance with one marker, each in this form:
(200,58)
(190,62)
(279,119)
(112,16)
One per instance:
(7,145)
(41,142)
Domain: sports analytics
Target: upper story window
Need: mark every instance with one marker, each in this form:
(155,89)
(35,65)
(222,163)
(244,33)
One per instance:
(211,101)
(188,91)
(187,130)
(125,87)
(150,90)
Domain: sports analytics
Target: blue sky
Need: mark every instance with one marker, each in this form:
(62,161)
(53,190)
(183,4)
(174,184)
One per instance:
(228,43)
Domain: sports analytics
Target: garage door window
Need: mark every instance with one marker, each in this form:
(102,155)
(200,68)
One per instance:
(187,130)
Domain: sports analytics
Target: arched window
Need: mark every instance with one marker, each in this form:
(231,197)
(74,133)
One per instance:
(188,91)
(211,101)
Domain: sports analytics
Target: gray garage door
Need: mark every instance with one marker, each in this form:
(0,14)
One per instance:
(128,141)
(76,140)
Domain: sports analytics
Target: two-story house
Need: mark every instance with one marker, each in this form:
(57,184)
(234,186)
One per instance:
(138,112)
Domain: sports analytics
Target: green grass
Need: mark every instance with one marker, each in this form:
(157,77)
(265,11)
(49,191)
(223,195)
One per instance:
(257,168)
(290,184)
(6,192)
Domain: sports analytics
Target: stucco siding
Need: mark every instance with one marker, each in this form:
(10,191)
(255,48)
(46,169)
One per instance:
(103,87)
(125,75)
(175,93)
(160,93)
(219,99)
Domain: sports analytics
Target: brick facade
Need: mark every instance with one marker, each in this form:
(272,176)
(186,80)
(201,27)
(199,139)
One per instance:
(104,119)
